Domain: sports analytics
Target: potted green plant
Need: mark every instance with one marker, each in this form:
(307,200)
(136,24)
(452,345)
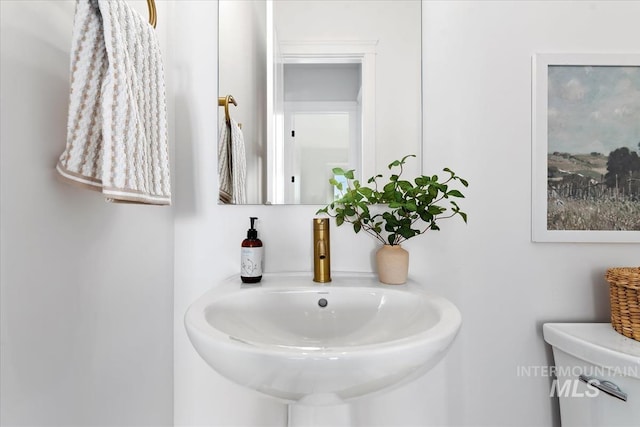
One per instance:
(394,211)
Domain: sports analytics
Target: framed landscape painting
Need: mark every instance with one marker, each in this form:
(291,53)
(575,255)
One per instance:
(586,148)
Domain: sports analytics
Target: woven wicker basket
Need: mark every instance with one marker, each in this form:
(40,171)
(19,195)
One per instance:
(624,292)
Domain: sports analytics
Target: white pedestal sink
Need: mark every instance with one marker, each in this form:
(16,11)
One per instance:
(317,346)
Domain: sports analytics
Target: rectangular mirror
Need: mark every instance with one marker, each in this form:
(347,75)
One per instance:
(317,84)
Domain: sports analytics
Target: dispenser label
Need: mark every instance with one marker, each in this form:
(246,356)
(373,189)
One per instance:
(251,262)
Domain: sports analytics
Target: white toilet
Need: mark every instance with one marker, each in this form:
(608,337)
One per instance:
(598,374)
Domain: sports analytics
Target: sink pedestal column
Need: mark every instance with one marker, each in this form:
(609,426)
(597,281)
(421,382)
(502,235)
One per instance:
(319,411)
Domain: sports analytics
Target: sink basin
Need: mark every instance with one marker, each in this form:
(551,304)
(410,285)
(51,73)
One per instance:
(299,341)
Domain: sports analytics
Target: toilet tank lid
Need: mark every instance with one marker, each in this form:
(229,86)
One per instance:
(596,343)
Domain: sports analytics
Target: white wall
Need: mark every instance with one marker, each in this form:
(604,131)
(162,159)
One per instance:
(86,286)
(478,120)
(477,115)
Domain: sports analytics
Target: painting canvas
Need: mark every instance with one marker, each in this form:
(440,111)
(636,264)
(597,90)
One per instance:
(586,169)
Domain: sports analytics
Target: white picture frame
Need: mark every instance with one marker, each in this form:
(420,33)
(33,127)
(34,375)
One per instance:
(547,71)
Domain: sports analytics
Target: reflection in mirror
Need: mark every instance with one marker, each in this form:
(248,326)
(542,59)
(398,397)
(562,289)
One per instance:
(322,118)
(320,84)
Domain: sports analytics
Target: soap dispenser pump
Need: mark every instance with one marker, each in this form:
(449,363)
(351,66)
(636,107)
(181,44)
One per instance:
(251,258)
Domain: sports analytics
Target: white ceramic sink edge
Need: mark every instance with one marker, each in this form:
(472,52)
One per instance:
(274,337)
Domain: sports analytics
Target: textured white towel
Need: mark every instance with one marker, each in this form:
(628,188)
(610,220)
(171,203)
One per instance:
(232,164)
(117,126)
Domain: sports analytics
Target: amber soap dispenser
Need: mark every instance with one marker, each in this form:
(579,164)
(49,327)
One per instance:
(251,256)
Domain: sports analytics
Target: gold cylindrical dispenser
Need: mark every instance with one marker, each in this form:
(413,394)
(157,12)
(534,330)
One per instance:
(321,251)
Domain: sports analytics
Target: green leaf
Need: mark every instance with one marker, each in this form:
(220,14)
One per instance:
(463,215)
(364,208)
(407,233)
(421,181)
(339,220)
(349,174)
(455,193)
(365,191)
(357,227)
(338,171)
(373,178)
(426,216)
(390,219)
(411,206)
(390,187)
(435,210)
(405,185)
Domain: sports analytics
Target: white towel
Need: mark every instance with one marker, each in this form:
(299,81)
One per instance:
(117,126)
(232,164)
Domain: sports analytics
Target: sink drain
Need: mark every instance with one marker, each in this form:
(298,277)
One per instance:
(322,302)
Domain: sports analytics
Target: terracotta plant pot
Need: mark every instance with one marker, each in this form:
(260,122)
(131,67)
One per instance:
(393,264)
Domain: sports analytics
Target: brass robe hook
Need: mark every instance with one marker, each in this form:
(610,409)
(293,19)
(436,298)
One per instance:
(153,17)
(224,101)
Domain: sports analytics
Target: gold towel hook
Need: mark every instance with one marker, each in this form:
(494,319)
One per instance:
(224,101)
(153,17)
